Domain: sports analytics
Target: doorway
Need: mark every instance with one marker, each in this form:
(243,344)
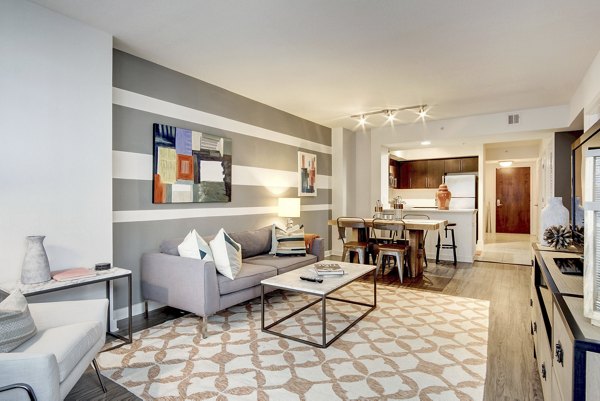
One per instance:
(513,200)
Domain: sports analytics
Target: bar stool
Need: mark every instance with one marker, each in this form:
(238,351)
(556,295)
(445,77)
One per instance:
(446,246)
(359,247)
(395,250)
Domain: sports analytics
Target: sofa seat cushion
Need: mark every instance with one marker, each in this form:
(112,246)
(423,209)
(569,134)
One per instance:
(249,276)
(283,264)
(68,343)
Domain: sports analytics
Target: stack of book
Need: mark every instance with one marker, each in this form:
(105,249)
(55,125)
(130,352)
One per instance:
(329,269)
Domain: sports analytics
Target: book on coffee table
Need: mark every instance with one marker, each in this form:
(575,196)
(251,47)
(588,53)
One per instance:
(73,274)
(329,269)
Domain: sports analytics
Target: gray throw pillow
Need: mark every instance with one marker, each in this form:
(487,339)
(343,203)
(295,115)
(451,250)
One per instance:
(16,323)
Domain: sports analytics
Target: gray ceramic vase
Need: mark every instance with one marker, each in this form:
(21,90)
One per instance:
(36,268)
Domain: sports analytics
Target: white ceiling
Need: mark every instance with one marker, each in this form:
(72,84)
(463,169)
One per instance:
(324,60)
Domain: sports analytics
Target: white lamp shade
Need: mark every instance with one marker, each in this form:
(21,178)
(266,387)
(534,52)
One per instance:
(289,207)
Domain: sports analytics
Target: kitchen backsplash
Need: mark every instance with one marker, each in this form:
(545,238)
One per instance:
(415,197)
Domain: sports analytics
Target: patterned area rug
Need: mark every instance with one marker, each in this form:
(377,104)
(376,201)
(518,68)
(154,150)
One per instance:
(416,345)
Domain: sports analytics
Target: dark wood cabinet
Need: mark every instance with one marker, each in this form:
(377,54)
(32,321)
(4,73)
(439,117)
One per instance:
(461,165)
(469,164)
(416,174)
(435,171)
(452,166)
(405,172)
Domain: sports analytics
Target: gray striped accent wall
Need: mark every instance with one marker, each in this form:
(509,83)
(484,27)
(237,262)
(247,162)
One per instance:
(265,145)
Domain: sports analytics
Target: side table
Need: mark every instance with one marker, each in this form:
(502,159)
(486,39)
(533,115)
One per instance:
(105,276)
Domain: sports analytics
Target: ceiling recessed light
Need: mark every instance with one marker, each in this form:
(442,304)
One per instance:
(505,163)
(426,143)
(362,120)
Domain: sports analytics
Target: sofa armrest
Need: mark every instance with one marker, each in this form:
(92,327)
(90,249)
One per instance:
(318,248)
(40,371)
(184,283)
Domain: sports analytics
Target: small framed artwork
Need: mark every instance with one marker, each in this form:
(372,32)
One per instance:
(307,174)
(190,166)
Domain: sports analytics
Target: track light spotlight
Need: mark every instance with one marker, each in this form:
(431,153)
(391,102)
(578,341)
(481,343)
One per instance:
(391,113)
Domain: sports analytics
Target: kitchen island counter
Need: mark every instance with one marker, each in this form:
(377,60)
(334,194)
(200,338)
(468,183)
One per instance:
(465,232)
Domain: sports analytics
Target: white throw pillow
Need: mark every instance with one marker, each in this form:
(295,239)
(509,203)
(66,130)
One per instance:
(194,246)
(227,254)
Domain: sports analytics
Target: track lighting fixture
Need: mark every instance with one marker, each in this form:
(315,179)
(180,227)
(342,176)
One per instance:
(391,113)
(390,116)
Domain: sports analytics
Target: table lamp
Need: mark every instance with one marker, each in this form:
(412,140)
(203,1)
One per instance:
(289,207)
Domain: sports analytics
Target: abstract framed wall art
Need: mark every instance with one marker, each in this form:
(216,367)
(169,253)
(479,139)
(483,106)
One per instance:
(307,174)
(190,166)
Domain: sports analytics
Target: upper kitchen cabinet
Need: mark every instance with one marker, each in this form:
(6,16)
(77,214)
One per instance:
(405,173)
(420,174)
(461,165)
(435,171)
(417,174)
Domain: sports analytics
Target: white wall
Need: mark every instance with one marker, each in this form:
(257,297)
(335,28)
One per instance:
(343,180)
(587,95)
(56,167)
(362,165)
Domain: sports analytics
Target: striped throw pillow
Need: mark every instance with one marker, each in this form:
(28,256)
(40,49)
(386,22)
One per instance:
(288,242)
(227,254)
(16,323)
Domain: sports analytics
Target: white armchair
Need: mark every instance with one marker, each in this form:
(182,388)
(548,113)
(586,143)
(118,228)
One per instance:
(69,335)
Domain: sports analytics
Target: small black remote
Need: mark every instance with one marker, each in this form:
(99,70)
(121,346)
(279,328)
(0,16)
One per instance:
(313,279)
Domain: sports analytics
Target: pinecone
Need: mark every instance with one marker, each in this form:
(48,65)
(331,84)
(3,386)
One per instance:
(577,235)
(559,237)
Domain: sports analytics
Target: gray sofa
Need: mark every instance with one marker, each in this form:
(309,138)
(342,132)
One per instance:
(195,285)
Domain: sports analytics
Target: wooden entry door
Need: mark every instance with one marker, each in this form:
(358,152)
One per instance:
(513,200)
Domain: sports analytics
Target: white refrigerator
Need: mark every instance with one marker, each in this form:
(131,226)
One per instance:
(464,190)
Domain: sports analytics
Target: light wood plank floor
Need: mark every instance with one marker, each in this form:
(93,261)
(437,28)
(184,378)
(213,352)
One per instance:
(511,371)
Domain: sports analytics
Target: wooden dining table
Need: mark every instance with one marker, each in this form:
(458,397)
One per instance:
(416,230)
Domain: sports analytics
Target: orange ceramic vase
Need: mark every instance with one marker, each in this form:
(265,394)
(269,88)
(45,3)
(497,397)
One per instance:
(443,197)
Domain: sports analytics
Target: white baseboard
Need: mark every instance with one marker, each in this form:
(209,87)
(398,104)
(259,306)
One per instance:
(137,309)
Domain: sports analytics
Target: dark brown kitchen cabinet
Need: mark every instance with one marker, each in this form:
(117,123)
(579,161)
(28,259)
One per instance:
(469,165)
(405,172)
(435,171)
(461,165)
(452,166)
(418,174)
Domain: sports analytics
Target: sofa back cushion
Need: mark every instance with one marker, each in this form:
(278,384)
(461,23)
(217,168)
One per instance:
(169,246)
(253,242)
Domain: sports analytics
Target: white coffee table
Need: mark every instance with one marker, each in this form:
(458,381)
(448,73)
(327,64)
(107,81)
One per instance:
(291,281)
